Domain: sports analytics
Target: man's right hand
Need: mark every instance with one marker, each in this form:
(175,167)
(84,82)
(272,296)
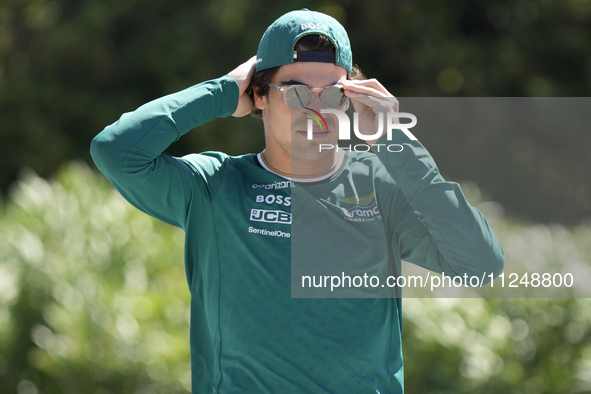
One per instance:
(242,74)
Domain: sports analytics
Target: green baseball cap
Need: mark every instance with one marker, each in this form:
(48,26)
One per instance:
(277,44)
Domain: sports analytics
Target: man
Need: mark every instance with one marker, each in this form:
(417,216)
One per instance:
(253,221)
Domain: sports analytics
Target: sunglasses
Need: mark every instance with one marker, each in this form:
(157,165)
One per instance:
(299,96)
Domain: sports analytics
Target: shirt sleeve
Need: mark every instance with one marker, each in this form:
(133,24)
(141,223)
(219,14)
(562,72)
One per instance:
(130,151)
(431,222)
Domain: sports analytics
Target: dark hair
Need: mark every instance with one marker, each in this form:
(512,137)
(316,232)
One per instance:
(312,42)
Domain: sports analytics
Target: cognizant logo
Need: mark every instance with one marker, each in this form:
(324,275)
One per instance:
(390,119)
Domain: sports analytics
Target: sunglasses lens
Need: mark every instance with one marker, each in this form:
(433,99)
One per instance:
(298,96)
(334,97)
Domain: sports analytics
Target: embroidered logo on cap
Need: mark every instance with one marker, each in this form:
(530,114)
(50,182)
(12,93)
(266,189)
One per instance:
(312,25)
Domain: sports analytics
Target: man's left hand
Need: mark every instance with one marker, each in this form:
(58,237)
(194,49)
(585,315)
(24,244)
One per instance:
(370,98)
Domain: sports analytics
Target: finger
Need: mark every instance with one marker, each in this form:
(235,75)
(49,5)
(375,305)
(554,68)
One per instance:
(365,91)
(377,104)
(359,106)
(243,74)
(252,62)
(371,87)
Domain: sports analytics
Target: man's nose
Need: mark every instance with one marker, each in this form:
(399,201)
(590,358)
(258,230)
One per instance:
(316,102)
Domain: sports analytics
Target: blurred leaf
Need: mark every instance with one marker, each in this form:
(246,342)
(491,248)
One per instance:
(92,299)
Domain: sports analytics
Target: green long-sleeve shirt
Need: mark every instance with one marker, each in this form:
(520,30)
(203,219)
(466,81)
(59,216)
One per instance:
(251,235)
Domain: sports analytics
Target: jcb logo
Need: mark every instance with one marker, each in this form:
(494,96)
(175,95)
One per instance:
(268,216)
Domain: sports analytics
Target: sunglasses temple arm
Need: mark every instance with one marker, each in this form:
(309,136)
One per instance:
(299,98)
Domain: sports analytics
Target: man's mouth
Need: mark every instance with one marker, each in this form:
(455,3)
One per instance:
(317,133)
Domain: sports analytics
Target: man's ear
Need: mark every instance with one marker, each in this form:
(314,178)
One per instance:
(259,101)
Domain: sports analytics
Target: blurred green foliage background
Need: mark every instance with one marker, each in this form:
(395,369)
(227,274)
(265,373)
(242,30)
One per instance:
(68,68)
(92,294)
(93,300)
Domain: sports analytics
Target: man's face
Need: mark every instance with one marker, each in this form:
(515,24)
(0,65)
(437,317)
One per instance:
(286,128)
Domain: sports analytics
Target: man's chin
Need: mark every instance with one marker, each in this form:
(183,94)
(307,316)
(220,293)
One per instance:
(309,150)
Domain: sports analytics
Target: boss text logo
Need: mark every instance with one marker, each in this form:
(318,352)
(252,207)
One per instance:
(312,25)
(273,199)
